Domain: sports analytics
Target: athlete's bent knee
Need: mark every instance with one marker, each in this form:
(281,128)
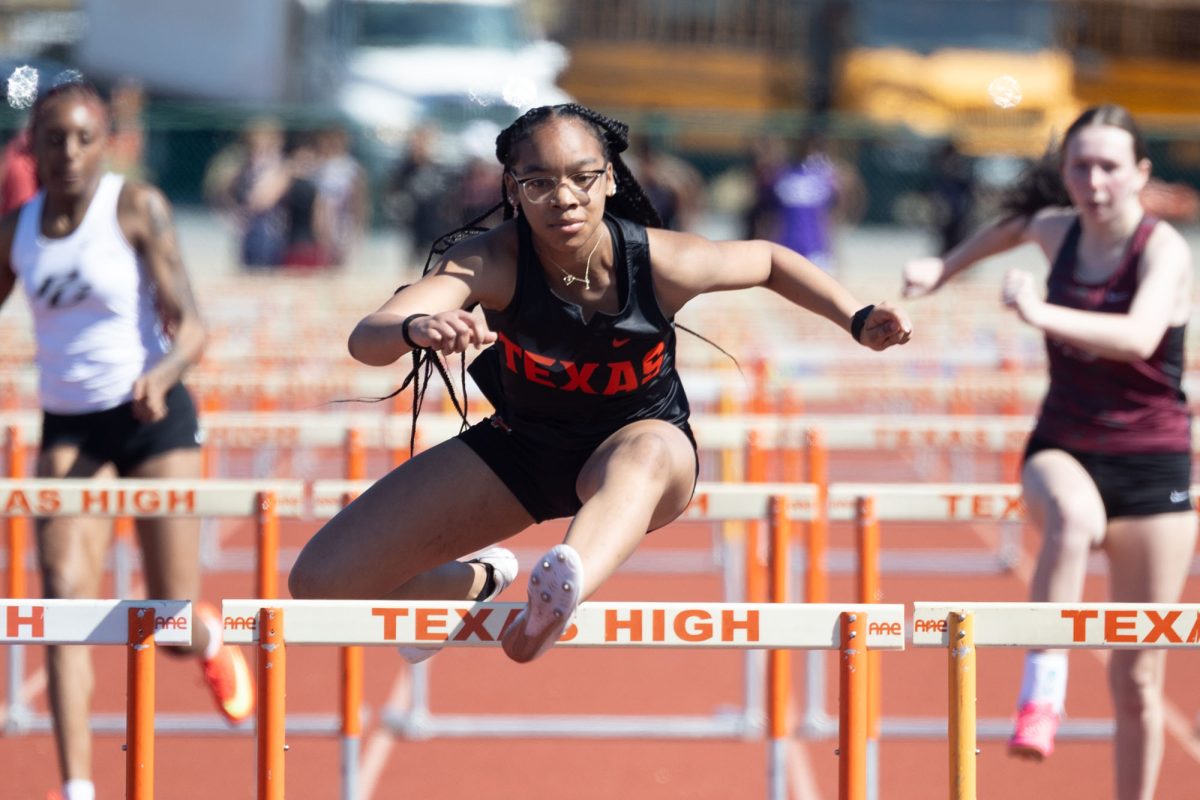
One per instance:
(647,453)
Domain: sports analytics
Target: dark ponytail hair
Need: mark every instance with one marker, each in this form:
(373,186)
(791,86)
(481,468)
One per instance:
(1041,185)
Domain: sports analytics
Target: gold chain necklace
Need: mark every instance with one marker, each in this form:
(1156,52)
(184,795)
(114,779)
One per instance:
(569,278)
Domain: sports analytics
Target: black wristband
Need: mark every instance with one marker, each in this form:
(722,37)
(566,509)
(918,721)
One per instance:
(404,330)
(857,321)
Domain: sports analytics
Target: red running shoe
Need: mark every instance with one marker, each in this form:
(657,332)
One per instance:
(228,675)
(1033,736)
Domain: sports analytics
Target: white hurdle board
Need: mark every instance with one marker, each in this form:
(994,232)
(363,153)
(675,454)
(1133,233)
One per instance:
(91,621)
(625,624)
(1066,625)
(930,502)
(712,501)
(43,497)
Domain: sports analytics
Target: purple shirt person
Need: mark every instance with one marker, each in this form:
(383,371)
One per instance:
(802,197)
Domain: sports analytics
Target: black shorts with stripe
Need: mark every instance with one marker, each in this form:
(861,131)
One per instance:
(1132,484)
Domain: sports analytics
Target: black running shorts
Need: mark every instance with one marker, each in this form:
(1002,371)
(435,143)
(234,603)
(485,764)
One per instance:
(541,478)
(1133,484)
(115,436)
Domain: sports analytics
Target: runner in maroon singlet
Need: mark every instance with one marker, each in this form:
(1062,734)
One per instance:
(1108,465)
(579,289)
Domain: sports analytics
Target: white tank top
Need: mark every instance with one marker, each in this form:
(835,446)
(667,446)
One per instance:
(94,316)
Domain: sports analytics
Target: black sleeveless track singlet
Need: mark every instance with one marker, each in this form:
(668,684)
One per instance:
(566,382)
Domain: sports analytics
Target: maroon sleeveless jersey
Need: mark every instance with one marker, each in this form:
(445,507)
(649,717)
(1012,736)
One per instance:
(1104,406)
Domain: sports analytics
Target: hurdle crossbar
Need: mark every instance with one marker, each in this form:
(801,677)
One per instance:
(274,626)
(262,500)
(963,627)
(711,502)
(137,624)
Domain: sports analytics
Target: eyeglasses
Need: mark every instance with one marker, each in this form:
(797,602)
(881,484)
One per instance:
(539,190)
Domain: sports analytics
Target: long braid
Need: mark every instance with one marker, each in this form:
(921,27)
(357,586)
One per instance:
(630,202)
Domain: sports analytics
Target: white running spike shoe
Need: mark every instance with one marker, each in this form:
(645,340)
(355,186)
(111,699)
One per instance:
(503,566)
(555,589)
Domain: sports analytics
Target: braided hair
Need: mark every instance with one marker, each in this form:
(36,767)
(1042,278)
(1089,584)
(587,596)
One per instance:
(1041,185)
(629,202)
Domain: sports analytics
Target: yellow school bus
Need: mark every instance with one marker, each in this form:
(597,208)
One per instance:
(987,73)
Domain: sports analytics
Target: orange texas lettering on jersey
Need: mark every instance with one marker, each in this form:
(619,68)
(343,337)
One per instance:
(590,377)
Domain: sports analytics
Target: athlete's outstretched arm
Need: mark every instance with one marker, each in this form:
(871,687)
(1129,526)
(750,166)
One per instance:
(1166,267)
(687,265)
(925,275)
(145,218)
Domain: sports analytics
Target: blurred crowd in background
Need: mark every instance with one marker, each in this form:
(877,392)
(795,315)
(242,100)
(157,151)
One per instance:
(362,118)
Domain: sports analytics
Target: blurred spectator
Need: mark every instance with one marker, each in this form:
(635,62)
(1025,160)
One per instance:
(307,219)
(18,172)
(126,143)
(342,193)
(796,204)
(767,157)
(952,196)
(418,193)
(479,188)
(248,180)
(673,185)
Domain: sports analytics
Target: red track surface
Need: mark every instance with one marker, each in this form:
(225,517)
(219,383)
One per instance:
(615,681)
(625,682)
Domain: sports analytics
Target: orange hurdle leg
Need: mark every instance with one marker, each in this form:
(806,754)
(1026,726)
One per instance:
(139,708)
(852,717)
(271,684)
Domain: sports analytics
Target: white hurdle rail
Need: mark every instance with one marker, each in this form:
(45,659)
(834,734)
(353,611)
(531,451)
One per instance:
(961,628)
(263,500)
(987,503)
(979,503)
(275,626)
(137,624)
(713,502)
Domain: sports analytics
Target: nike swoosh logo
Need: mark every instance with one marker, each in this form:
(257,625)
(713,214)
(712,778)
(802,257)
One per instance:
(1178,496)
(620,342)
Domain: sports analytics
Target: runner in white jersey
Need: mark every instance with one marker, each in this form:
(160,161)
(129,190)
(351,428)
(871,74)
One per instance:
(116,328)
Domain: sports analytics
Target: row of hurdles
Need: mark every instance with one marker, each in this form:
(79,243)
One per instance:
(764,577)
(855,631)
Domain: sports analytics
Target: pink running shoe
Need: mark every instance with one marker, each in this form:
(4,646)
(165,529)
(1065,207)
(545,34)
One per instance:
(1033,736)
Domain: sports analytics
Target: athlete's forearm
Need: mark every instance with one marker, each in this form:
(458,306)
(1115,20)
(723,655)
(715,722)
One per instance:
(187,347)
(1117,337)
(377,340)
(797,279)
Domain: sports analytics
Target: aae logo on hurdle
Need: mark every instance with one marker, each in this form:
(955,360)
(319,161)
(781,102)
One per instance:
(725,625)
(1103,625)
(91,621)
